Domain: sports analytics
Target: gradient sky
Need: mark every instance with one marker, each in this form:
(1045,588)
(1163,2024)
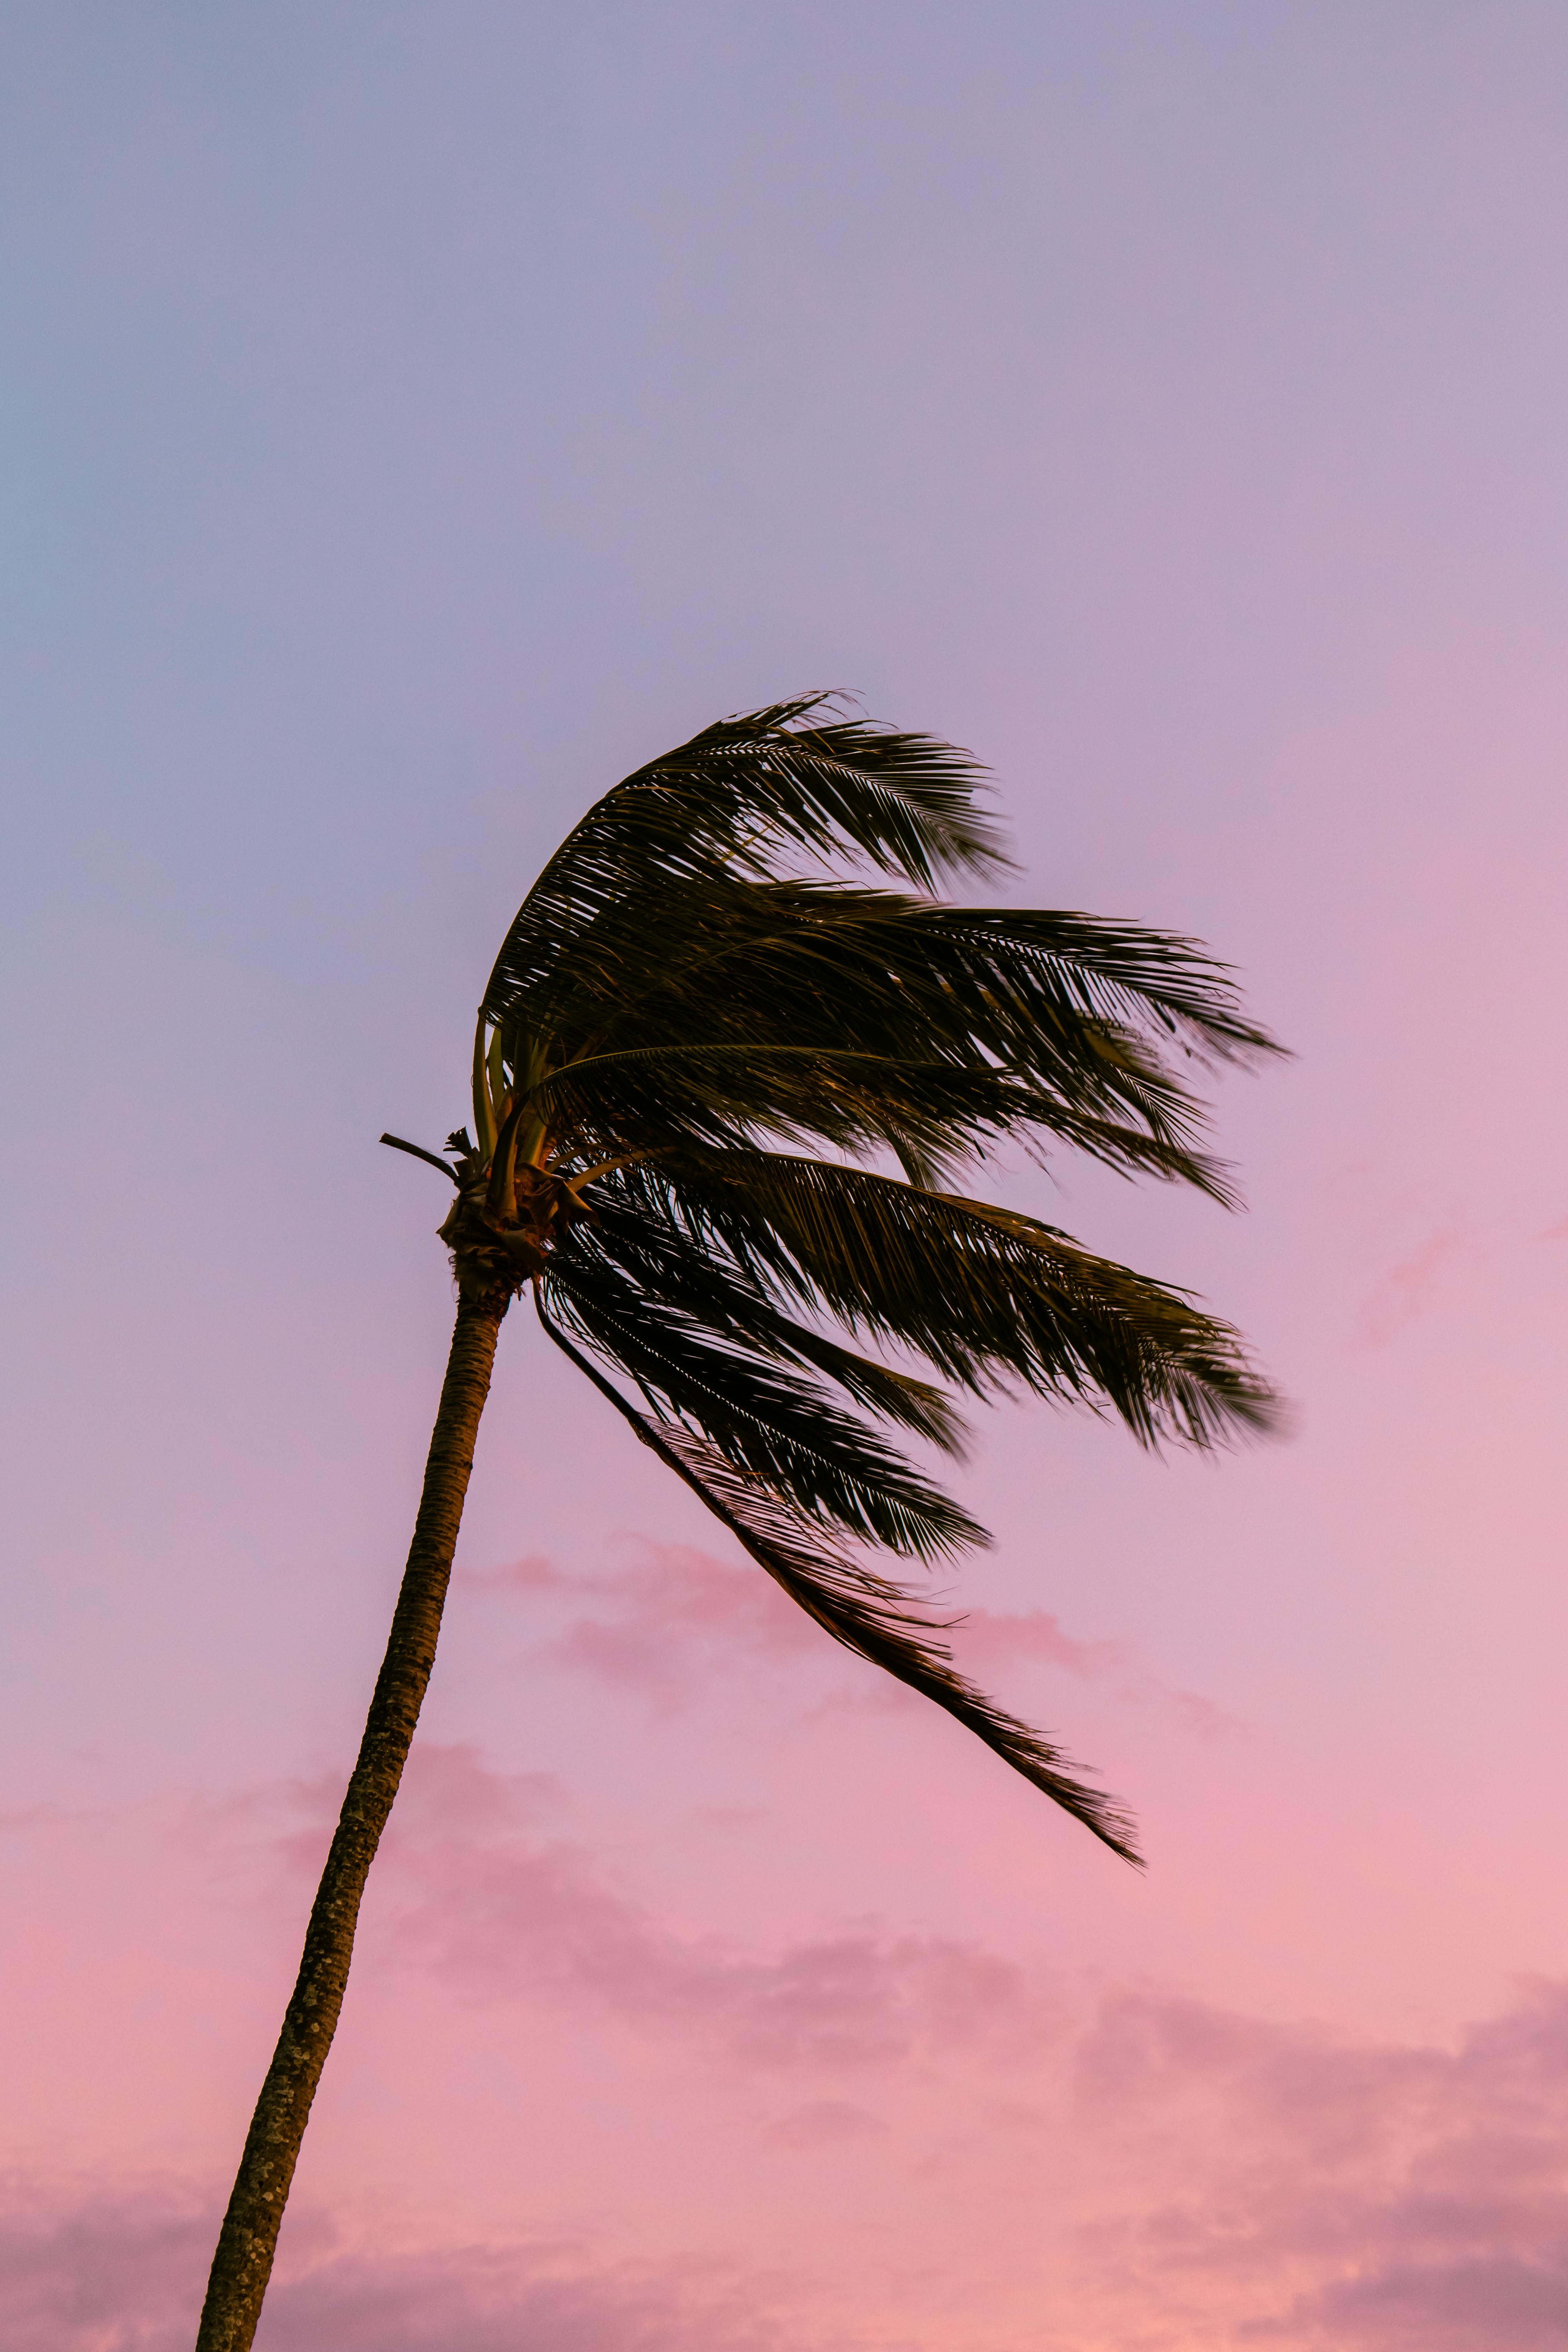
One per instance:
(413,418)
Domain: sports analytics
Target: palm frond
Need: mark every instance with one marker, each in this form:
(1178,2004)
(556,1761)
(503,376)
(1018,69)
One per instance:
(986,1296)
(1008,982)
(712,1292)
(792,775)
(766,1420)
(1061,1025)
(863,1611)
(935,1117)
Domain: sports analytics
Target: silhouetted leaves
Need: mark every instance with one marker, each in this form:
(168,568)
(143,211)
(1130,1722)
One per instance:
(691,1008)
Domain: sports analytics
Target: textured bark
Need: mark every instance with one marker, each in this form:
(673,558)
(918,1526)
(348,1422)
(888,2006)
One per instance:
(243,2262)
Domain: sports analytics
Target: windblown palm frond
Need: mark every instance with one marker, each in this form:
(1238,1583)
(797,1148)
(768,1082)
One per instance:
(990,1297)
(794,776)
(771,1423)
(866,1614)
(684,1019)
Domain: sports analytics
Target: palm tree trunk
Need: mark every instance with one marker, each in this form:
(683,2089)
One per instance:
(243,2263)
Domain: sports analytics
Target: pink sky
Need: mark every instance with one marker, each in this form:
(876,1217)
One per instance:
(415,419)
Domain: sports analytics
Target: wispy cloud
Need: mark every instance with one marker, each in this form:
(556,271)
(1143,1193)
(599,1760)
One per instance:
(991,1637)
(1407,1290)
(657,1624)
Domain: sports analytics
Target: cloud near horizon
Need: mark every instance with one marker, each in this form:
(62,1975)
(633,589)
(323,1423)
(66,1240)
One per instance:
(900,2141)
(896,2140)
(90,2270)
(927,2143)
(1231,2181)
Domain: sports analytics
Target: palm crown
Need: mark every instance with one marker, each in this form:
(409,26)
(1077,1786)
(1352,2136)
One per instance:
(698,1044)
(689,1009)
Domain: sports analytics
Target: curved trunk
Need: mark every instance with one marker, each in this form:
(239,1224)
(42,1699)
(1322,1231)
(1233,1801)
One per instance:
(243,2262)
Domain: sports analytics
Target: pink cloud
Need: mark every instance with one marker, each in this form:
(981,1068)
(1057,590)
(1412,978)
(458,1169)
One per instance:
(86,2268)
(990,1637)
(652,1624)
(495,2299)
(989,1641)
(468,1894)
(1379,2199)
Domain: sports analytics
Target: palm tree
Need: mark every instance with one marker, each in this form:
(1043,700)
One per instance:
(692,1008)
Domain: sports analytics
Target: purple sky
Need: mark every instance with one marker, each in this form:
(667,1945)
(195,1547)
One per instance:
(412,419)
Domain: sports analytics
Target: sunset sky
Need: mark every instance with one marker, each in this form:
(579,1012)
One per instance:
(414,417)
